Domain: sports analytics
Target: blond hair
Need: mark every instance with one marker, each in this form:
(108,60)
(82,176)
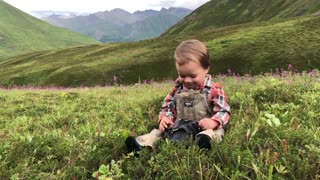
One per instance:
(192,49)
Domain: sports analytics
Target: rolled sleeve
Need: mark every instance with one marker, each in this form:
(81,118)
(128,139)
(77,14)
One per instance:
(221,109)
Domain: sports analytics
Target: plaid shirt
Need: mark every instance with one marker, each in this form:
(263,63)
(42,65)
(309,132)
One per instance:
(220,111)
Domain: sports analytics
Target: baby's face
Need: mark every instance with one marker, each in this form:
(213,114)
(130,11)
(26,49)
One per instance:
(191,74)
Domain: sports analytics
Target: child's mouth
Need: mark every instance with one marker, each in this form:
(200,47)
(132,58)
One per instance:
(190,86)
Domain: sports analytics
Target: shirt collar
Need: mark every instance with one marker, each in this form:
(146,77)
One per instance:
(207,82)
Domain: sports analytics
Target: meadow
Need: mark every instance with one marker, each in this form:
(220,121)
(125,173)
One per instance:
(79,133)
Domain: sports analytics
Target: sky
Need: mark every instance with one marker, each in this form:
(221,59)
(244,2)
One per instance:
(91,6)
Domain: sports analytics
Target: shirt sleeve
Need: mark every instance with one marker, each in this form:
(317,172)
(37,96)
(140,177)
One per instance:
(221,109)
(168,108)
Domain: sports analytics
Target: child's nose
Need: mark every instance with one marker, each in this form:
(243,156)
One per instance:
(187,80)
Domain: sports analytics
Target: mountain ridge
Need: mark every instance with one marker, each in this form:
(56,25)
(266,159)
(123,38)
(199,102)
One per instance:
(118,25)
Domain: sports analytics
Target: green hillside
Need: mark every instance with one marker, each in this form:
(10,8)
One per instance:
(245,48)
(219,13)
(21,33)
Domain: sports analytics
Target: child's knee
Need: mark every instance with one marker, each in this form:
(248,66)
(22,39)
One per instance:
(216,135)
(150,138)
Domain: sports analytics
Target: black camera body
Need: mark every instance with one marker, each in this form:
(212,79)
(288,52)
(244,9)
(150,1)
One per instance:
(182,130)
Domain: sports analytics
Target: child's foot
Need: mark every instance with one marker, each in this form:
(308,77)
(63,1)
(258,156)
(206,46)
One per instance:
(203,141)
(133,145)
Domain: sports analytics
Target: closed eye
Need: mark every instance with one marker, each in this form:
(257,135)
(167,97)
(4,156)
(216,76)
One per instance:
(191,76)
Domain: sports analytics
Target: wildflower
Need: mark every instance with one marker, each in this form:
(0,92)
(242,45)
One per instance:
(284,146)
(248,77)
(314,73)
(274,157)
(267,160)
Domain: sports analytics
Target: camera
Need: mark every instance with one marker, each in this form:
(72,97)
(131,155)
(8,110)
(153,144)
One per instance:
(182,130)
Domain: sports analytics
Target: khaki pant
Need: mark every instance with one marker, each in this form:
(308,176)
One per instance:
(150,138)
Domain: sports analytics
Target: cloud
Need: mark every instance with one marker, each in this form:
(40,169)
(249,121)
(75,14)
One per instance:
(164,3)
(190,4)
(102,5)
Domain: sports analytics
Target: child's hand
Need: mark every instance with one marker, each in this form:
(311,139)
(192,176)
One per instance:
(208,123)
(165,123)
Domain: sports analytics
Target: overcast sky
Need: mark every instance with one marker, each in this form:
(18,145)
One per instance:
(91,6)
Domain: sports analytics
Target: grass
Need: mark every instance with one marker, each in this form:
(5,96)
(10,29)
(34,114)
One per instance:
(60,133)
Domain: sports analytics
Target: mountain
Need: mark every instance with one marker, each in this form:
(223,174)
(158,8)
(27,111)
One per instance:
(22,33)
(220,13)
(119,25)
(253,47)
